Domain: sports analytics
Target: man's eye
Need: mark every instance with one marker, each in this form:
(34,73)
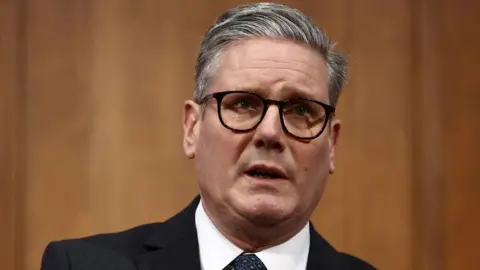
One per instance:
(244,104)
(301,110)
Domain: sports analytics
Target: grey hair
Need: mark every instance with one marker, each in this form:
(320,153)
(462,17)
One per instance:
(268,20)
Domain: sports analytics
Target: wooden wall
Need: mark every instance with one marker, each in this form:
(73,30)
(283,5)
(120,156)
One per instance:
(91,96)
(460,92)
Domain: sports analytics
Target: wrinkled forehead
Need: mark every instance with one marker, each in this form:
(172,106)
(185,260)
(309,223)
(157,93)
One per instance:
(273,68)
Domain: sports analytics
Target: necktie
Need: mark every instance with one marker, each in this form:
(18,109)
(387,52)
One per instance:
(247,262)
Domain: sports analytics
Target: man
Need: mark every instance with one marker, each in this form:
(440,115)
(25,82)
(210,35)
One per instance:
(262,132)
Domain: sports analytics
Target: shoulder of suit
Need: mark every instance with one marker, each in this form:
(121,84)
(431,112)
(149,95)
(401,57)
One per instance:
(128,242)
(356,263)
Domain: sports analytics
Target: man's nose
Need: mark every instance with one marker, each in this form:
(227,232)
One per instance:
(269,133)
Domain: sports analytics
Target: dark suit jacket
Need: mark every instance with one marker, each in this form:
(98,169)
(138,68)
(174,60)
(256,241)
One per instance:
(169,245)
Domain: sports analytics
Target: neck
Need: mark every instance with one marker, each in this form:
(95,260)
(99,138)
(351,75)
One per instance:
(255,238)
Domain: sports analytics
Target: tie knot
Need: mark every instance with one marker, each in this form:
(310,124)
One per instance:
(247,262)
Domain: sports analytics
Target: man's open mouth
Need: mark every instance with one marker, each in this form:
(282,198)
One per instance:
(265,172)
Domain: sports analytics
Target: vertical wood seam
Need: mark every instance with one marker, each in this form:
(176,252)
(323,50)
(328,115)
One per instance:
(19,134)
(427,175)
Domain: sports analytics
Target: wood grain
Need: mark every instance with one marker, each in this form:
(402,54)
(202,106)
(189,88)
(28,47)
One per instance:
(91,96)
(425,111)
(11,129)
(376,135)
(460,95)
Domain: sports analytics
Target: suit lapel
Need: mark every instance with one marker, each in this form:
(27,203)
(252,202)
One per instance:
(174,245)
(322,256)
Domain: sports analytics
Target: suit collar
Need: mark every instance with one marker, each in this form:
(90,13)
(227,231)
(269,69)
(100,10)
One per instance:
(321,254)
(174,245)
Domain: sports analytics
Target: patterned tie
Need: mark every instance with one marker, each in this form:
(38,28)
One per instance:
(246,262)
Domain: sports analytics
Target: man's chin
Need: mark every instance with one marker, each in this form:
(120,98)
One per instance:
(264,211)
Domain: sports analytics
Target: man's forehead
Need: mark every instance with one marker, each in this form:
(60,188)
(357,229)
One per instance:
(258,50)
(280,67)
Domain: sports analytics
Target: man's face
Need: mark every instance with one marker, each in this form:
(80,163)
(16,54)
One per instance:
(274,69)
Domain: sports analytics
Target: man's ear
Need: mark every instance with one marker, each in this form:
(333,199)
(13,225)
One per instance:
(333,140)
(191,127)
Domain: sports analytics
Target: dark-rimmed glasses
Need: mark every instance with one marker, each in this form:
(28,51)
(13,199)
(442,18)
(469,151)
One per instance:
(243,111)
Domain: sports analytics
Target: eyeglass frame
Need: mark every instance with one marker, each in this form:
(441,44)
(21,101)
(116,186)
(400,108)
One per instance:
(329,111)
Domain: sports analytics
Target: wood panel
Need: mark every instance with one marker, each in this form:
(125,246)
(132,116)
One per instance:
(374,160)
(460,96)
(58,124)
(11,65)
(103,118)
(425,112)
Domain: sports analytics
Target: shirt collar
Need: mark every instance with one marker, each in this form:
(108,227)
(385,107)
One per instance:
(216,251)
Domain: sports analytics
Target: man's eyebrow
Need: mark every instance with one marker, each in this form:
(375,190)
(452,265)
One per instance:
(286,92)
(247,87)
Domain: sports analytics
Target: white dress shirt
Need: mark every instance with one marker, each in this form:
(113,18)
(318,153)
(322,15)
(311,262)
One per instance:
(216,251)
